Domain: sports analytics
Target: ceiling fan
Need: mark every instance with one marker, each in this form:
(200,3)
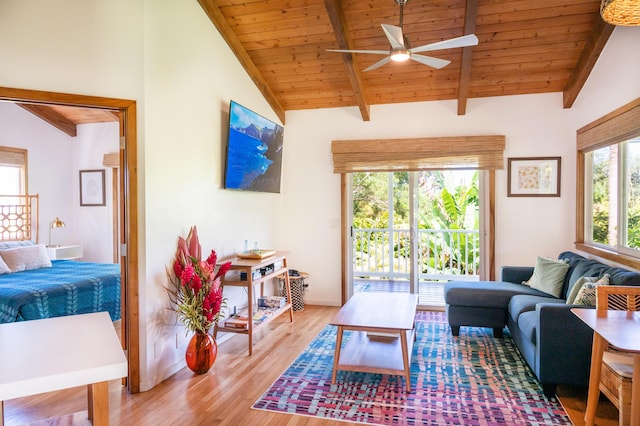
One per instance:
(401,51)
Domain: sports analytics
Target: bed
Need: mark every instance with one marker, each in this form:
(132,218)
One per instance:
(34,287)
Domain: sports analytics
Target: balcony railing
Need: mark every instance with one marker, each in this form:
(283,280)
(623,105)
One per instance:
(446,254)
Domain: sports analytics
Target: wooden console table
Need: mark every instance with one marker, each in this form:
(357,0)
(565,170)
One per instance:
(392,314)
(61,353)
(244,277)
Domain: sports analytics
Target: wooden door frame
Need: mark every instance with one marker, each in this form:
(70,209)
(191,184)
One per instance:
(128,201)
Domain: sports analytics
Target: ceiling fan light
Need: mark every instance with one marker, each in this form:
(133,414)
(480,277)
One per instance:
(621,12)
(400,55)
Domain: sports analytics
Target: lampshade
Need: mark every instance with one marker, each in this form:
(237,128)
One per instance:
(621,12)
(55,223)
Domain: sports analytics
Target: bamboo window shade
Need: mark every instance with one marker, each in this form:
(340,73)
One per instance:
(13,157)
(415,154)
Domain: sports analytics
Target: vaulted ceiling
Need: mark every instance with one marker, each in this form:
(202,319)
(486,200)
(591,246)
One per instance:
(525,46)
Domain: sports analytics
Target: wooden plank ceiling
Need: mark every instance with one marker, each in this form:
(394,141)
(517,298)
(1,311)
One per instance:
(525,46)
(66,118)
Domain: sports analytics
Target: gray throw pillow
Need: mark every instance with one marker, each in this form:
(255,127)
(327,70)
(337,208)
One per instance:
(548,276)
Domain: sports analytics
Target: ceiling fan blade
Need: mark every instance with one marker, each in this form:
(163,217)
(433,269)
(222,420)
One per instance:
(432,62)
(464,41)
(378,64)
(375,52)
(394,35)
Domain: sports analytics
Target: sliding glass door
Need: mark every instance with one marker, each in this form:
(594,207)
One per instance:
(412,231)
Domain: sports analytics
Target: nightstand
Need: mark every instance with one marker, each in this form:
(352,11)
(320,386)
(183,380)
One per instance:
(64,252)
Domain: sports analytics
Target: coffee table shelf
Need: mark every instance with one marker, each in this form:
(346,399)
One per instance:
(375,354)
(377,312)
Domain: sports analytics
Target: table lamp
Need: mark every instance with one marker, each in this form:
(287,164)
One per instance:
(55,223)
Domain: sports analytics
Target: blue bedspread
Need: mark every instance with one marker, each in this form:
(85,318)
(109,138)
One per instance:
(68,288)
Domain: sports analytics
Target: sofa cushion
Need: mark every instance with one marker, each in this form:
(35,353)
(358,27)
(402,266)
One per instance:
(527,302)
(593,268)
(573,259)
(488,294)
(528,324)
(548,276)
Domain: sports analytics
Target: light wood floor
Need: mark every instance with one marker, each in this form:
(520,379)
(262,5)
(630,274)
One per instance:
(221,397)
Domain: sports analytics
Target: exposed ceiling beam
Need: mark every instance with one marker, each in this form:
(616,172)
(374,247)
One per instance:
(588,58)
(217,18)
(467,56)
(339,24)
(52,117)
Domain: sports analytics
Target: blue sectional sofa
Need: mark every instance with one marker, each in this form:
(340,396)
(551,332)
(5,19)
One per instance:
(553,341)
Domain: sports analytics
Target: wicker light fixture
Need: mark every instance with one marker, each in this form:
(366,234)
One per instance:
(621,12)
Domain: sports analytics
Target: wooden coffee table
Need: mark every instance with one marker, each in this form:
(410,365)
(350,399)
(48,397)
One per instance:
(384,331)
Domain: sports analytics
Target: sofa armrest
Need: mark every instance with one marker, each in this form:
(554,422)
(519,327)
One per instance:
(515,274)
(563,345)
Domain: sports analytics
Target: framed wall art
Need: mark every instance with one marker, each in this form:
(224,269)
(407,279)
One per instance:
(92,188)
(533,177)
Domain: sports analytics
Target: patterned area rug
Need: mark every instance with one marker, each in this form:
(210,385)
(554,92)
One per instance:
(473,379)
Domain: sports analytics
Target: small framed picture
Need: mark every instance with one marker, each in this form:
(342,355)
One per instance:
(533,177)
(92,188)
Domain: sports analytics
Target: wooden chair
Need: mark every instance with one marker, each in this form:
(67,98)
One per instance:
(617,367)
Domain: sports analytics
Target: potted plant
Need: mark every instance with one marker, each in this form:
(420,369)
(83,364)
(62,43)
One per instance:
(196,295)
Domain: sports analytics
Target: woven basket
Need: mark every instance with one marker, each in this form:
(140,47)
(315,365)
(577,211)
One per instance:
(616,385)
(620,12)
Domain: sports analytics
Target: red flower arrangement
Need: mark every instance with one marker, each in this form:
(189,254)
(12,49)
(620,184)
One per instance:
(196,290)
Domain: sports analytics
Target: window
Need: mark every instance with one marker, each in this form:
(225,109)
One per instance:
(608,186)
(613,211)
(13,171)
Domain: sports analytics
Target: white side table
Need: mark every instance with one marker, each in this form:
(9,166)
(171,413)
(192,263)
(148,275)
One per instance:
(64,252)
(63,352)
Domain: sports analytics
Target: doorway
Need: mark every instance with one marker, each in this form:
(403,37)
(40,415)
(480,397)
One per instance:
(413,231)
(127,212)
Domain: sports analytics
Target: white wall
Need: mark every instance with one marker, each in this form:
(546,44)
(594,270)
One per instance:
(191,75)
(168,57)
(534,125)
(93,225)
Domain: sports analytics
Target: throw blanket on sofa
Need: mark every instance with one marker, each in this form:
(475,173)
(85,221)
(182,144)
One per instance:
(67,288)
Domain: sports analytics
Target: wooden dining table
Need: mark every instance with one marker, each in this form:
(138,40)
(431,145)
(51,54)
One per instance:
(620,329)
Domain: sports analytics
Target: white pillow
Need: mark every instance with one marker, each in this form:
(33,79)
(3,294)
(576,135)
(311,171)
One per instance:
(4,269)
(26,258)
